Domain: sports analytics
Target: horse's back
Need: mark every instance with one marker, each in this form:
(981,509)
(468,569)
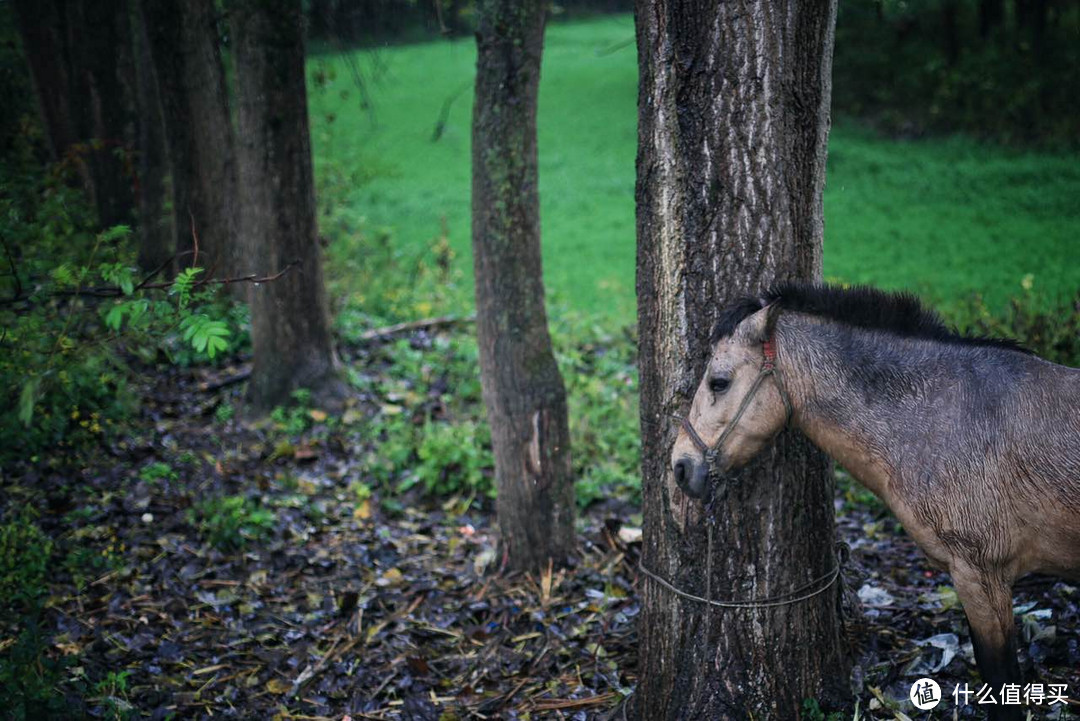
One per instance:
(1041,467)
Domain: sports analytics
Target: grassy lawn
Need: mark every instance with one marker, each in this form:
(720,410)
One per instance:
(944,218)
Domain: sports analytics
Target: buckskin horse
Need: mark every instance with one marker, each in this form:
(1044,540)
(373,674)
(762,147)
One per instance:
(973,443)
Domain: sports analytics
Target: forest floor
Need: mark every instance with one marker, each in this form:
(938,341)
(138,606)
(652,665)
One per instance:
(307,599)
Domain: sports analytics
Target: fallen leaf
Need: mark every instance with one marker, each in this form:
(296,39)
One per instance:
(390,577)
(278,686)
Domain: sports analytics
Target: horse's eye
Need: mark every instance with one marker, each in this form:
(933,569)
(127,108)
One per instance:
(719,385)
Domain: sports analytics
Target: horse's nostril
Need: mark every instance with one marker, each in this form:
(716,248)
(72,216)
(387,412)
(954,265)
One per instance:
(682,472)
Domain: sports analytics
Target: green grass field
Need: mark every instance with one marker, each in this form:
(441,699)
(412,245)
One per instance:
(945,218)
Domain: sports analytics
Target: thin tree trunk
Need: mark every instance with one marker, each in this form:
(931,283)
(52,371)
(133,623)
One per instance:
(105,82)
(84,94)
(157,235)
(950,30)
(43,27)
(991,17)
(733,119)
(522,388)
(191,80)
(290,322)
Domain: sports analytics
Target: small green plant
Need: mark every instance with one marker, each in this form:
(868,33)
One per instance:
(812,711)
(24,560)
(296,418)
(857,496)
(602,393)
(85,562)
(224,412)
(360,491)
(113,694)
(394,452)
(158,471)
(229,523)
(454,458)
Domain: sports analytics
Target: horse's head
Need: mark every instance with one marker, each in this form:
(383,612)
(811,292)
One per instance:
(739,406)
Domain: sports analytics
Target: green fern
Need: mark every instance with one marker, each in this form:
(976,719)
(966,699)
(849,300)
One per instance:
(205,334)
(184,284)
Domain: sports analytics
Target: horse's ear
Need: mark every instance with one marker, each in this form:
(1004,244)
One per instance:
(759,326)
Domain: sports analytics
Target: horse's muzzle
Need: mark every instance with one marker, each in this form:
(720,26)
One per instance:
(691,476)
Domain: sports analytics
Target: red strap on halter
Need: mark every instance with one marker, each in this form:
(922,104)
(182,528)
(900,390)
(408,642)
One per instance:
(770,355)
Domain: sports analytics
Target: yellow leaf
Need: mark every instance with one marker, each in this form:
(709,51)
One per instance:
(278,686)
(362,511)
(390,577)
(374,630)
(317,415)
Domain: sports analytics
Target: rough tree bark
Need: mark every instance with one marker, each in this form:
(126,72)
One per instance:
(733,119)
(290,322)
(157,236)
(83,92)
(522,388)
(191,80)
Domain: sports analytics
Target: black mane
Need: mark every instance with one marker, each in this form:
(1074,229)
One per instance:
(861,306)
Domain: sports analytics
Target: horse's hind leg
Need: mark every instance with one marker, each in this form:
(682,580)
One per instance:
(988,604)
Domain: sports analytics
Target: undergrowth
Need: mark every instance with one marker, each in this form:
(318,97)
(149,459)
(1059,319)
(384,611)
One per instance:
(78,326)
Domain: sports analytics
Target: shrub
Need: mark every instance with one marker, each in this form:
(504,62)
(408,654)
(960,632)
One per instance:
(30,678)
(24,560)
(601,378)
(74,314)
(454,458)
(1051,330)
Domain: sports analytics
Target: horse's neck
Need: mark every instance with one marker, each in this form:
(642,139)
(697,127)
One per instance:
(848,422)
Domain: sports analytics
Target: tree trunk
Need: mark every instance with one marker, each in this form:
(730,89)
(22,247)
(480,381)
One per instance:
(191,80)
(157,236)
(1031,16)
(320,16)
(84,94)
(290,322)
(522,388)
(950,30)
(43,28)
(733,117)
(104,69)
(991,17)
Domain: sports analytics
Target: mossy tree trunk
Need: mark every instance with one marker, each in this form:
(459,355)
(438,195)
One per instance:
(290,322)
(184,42)
(733,116)
(522,388)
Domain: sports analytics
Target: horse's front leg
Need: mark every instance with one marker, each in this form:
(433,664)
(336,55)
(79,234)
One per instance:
(987,600)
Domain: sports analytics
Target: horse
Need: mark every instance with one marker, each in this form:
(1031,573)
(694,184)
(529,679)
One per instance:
(972,442)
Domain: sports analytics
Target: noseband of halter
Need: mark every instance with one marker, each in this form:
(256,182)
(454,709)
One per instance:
(768,368)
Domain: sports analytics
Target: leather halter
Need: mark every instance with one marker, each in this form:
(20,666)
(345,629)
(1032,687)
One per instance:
(768,368)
